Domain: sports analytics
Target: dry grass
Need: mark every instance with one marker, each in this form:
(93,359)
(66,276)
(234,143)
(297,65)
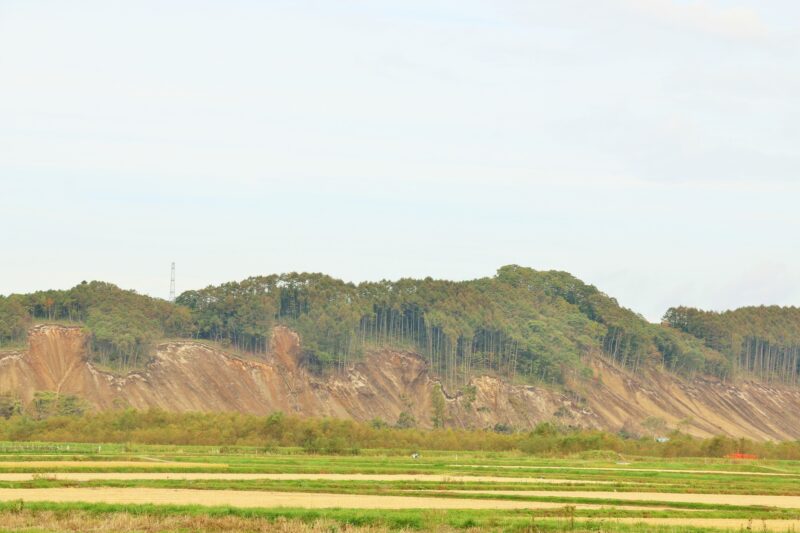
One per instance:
(26,520)
(50,521)
(107,464)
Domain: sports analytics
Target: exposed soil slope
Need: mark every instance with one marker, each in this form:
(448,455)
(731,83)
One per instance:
(191,376)
(705,405)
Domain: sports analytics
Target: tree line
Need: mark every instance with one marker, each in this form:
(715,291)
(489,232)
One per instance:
(523,324)
(761,342)
(332,436)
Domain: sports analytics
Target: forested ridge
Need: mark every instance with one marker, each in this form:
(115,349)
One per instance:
(763,342)
(123,324)
(522,324)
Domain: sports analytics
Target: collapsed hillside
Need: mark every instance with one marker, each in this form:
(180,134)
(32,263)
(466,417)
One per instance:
(193,376)
(509,350)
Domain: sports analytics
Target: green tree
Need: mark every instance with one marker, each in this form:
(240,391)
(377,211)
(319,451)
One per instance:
(439,406)
(406,420)
(10,406)
(14,319)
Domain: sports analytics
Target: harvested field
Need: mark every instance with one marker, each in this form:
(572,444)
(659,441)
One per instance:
(234,476)
(784,502)
(252,489)
(121,522)
(625,470)
(735,524)
(260,499)
(107,464)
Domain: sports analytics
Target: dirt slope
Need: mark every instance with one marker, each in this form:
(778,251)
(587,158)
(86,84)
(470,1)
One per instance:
(191,376)
(706,405)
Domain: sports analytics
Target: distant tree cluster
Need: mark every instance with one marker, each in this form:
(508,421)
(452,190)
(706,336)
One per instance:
(761,342)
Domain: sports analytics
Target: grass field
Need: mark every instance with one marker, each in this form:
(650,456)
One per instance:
(78,487)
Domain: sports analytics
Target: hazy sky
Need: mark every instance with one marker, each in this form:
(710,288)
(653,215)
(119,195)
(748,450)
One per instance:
(651,147)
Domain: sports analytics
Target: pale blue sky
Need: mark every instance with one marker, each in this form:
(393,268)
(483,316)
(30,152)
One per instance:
(651,147)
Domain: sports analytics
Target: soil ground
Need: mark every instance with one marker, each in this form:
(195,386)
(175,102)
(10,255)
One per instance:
(260,499)
(106,464)
(91,476)
(784,502)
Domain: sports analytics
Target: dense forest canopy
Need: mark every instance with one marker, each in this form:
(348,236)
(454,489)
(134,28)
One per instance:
(526,325)
(521,323)
(763,342)
(124,325)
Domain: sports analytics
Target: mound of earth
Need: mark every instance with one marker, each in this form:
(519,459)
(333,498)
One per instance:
(192,376)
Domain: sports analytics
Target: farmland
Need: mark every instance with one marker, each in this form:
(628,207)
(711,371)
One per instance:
(126,487)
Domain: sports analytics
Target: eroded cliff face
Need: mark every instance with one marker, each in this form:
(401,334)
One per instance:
(192,376)
(704,406)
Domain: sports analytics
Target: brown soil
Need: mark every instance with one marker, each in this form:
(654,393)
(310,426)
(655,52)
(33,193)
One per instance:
(610,469)
(191,376)
(240,498)
(91,476)
(785,502)
(706,405)
(106,464)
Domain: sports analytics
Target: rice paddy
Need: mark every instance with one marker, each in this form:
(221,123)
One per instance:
(44,487)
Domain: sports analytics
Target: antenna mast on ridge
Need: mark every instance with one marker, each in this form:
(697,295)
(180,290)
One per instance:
(172,284)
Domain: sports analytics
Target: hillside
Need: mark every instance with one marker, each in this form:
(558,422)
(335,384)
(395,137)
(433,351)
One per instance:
(525,325)
(511,350)
(193,376)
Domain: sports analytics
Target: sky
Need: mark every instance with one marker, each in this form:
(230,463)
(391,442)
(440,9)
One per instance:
(650,147)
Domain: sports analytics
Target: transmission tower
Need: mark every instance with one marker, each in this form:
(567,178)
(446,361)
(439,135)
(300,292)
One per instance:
(172,284)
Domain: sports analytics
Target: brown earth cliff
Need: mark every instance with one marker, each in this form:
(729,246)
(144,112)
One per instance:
(192,376)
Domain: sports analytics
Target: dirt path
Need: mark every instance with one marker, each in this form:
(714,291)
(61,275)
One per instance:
(238,498)
(107,464)
(611,469)
(785,502)
(92,476)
